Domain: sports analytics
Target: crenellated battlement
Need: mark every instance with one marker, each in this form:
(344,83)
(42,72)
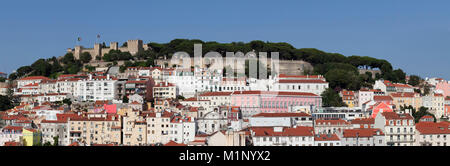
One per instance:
(133,46)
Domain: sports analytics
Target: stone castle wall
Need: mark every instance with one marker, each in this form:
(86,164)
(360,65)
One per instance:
(289,67)
(133,46)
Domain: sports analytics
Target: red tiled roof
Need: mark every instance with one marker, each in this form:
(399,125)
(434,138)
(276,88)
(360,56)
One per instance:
(68,79)
(164,114)
(347,93)
(382,98)
(74,144)
(387,83)
(216,94)
(172,143)
(12,144)
(32,84)
(433,128)
(34,78)
(402,86)
(300,76)
(193,109)
(13,128)
(404,94)
(164,84)
(136,82)
(353,133)
(281,115)
(325,137)
(427,117)
(363,121)
(269,131)
(302,82)
(273,93)
(393,115)
(332,122)
(438,95)
(177,119)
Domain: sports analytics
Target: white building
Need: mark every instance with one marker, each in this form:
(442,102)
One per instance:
(279,136)
(11,134)
(158,127)
(327,140)
(280,120)
(211,122)
(182,129)
(55,128)
(344,113)
(364,95)
(432,134)
(95,88)
(398,128)
(337,126)
(217,98)
(363,137)
(30,80)
(53,97)
(67,85)
(165,90)
(312,84)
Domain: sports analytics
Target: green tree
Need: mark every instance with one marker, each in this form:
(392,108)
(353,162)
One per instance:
(331,98)
(423,111)
(343,79)
(85,57)
(68,58)
(125,99)
(45,144)
(41,68)
(56,141)
(67,101)
(414,80)
(5,103)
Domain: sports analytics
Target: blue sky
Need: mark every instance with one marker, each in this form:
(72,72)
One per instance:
(412,34)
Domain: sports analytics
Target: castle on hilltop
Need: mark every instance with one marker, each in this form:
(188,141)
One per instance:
(133,46)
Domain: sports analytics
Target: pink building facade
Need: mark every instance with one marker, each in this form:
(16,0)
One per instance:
(444,88)
(255,102)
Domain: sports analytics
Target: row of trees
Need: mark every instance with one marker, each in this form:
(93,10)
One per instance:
(5,103)
(322,61)
(417,114)
(116,55)
(52,67)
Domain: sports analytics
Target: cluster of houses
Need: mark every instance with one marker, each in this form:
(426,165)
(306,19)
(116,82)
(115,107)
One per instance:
(156,106)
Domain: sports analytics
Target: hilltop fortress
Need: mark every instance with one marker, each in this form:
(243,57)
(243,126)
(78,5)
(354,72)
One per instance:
(292,67)
(133,46)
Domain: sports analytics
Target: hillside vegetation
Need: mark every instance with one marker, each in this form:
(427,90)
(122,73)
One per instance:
(341,71)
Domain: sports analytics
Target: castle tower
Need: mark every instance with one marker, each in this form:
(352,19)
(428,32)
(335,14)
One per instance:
(114,45)
(97,50)
(78,51)
(134,46)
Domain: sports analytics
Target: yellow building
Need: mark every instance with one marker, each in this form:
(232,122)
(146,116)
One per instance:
(31,137)
(348,97)
(405,99)
(95,129)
